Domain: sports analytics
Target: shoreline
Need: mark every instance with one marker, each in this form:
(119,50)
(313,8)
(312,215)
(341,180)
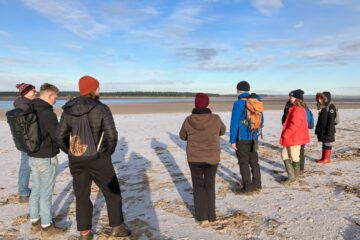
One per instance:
(186,107)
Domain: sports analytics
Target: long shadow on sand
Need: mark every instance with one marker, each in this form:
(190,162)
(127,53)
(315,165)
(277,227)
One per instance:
(182,185)
(134,182)
(225,173)
(63,211)
(348,130)
(352,231)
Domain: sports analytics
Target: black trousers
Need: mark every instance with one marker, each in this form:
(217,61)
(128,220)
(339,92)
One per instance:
(102,172)
(203,180)
(302,157)
(248,158)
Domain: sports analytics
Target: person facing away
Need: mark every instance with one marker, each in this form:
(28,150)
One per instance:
(310,122)
(325,127)
(294,134)
(244,140)
(44,162)
(202,131)
(88,135)
(27,94)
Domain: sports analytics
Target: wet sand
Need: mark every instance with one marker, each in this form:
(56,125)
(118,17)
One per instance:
(183,107)
(143,108)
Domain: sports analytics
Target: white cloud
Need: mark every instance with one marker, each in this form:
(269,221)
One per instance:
(325,56)
(353,4)
(69,15)
(8,81)
(73,46)
(299,24)
(233,65)
(267,7)
(4,34)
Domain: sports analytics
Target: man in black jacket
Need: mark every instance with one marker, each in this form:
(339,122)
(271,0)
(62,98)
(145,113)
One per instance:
(44,162)
(325,127)
(27,93)
(98,169)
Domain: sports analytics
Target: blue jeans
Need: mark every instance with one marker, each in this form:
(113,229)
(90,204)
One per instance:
(43,172)
(24,175)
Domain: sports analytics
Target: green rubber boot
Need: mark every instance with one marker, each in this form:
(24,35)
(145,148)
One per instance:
(290,170)
(296,166)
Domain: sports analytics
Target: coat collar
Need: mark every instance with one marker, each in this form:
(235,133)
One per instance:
(244,95)
(201,111)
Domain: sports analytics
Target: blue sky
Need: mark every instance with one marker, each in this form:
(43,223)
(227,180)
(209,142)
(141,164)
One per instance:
(203,45)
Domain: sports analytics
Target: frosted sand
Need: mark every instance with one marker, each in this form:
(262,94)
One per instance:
(150,161)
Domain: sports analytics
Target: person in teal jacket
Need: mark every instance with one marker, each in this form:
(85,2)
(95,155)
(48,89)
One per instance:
(244,141)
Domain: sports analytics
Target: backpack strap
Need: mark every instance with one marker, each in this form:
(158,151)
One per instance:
(99,144)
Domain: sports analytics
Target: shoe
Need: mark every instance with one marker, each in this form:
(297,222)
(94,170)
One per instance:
(257,188)
(120,231)
(36,226)
(87,236)
(52,230)
(244,191)
(327,156)
(291,172)
(24,199)
(205,223)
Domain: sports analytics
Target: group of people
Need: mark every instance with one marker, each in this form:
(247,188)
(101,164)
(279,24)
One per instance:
(202,131)
(87,134)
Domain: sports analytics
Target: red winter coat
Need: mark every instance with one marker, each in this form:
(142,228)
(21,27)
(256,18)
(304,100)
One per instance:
(295,130)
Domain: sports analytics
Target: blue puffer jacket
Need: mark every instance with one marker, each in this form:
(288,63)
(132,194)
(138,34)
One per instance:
(238,130)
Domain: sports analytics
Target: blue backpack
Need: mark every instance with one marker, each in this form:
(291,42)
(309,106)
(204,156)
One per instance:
(310,118)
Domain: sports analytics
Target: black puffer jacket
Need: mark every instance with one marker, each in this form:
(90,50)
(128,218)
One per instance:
(22,103)
(100,120)
(325,127)
(48,123)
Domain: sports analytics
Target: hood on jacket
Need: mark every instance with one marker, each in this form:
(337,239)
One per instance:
(248,95)
(40,104)
(80,106)
(19,101)
(200,121)
(326,96)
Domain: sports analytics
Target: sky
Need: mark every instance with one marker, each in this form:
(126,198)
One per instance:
(193,46)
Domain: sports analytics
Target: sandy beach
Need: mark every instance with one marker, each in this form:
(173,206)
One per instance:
(150,161)
(186,107)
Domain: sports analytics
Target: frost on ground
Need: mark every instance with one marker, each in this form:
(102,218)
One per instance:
(150,161)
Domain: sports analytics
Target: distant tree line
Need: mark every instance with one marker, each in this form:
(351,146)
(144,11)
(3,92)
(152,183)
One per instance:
(68,94)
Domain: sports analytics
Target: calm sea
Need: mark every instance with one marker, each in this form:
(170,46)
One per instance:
(8,104)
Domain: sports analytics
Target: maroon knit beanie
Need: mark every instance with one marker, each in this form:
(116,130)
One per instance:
(201,100)
(24,88)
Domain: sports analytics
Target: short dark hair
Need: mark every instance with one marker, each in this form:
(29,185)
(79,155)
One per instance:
(49,87)
(93,95)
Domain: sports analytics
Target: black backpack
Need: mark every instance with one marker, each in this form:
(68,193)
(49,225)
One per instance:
(82,144)
(25,129)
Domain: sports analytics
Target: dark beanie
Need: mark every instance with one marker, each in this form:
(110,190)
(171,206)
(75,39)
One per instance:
(243,86)
(201,100)
(24,88)
(299,94)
